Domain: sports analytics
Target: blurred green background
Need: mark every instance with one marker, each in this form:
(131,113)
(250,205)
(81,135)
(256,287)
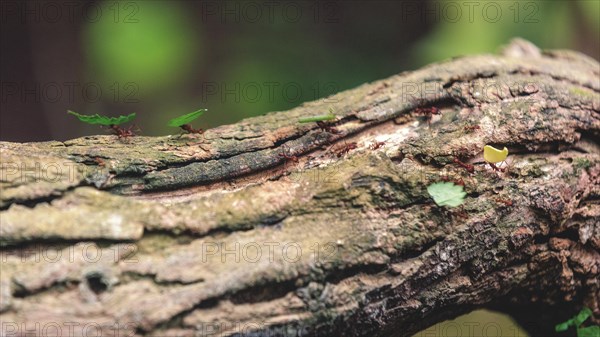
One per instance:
(241,59)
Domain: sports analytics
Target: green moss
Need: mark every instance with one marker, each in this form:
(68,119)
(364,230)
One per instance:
(566,175)
(581,92)
(582,163)
(533,170)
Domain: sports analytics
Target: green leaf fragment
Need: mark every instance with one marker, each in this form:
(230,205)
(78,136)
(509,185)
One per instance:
(327,117)
(447,194)
(564,326)
(186,119)
(584,314)
(590,331)
(576,321)
(102,120)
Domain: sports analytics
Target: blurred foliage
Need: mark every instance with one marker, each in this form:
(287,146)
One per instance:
(549,24)
(591,10)
(147,42)
(181,60)
(145,52)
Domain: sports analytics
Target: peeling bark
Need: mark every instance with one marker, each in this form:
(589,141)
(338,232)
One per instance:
(185,236)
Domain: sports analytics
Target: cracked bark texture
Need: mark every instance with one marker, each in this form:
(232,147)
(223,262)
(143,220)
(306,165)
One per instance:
(185,236)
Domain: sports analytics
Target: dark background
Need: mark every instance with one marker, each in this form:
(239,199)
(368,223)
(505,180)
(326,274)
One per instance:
(161,59)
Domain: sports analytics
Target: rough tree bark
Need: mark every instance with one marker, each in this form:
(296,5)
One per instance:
(185,236)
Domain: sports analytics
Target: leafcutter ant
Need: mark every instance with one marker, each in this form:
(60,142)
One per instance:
(112,123)
(432,110)
(470,168)
(288,157)
(496,168)
(328,128)
(99,161)
(506,202)
(189,129)
(493,156)
(347,147)
(471,128)
(428,112)
(376,145)
(123,132)
(184,121)
(321,121)
(459,181)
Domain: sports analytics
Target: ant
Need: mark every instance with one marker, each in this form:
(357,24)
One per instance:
(432,110)
(428,112)
(459,182)
(99,161)
(345,149)
(471,128)
(189,129)
(288,157)
(376,145)
(328,128)
(283,154)
(470,168)
(496,168)
(122,132)
(506,202)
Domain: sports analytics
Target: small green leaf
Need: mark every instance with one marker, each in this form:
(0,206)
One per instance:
(564,326)
(590,331)
(447,194)
(102,120)
(576,321)
(584,314)
(319,118)
(186,119)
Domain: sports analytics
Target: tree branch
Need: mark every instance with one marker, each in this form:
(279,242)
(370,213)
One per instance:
(169,236)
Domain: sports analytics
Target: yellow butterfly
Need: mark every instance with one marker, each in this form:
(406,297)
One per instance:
(493,155)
